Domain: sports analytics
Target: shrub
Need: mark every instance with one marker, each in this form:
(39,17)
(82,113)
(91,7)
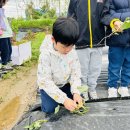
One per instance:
(38,23)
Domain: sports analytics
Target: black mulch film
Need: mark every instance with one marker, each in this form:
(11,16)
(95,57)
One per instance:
(104,113)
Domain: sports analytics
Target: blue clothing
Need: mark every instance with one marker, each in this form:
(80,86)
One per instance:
(48,104)
(10,49)
(119,45)
(119,9)
(6,50)
(119,66)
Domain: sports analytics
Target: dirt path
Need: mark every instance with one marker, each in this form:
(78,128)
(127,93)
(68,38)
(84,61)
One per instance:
(17,94)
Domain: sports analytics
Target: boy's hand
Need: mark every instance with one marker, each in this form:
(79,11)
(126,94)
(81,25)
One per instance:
(117,26)
(77,98)
(70,105)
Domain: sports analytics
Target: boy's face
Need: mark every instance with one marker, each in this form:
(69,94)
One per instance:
(62,48)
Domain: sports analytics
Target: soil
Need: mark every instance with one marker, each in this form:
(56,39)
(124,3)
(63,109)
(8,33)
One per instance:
(16,94)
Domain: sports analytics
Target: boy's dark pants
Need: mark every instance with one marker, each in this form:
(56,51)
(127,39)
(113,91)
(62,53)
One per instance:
(48,104)
(10,49)
(6,50)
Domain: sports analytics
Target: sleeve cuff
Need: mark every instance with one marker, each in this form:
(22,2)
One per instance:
(112,22)
(61,100)
(75,91)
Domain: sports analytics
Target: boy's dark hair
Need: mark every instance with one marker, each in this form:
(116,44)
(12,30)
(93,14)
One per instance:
(66,31)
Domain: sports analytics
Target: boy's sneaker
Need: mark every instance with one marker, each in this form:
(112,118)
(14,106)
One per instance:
(123,91)
(7,67)
(93,95)
(10,63)
(112,92)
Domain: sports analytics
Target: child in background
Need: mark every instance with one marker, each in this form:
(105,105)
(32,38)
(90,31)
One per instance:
(59,68)
(5,43)
(89,48)
(114,13)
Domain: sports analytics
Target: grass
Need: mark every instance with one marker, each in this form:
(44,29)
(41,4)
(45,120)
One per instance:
(36,43)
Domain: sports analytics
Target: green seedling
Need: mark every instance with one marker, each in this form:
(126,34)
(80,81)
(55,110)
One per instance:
(80,110)
(35,125)
(57,109)
(126,24)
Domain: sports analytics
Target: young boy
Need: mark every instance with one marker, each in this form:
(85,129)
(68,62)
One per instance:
(114,13)
(59,68)
(5,43)
(89,48)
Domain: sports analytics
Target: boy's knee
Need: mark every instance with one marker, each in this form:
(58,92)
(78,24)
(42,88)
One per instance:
(48,105)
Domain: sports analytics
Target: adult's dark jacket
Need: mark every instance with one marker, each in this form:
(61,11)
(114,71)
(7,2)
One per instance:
(82,12)
(116,9)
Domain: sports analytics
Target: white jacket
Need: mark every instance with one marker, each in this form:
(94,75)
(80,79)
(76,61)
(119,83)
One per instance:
(55,70)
